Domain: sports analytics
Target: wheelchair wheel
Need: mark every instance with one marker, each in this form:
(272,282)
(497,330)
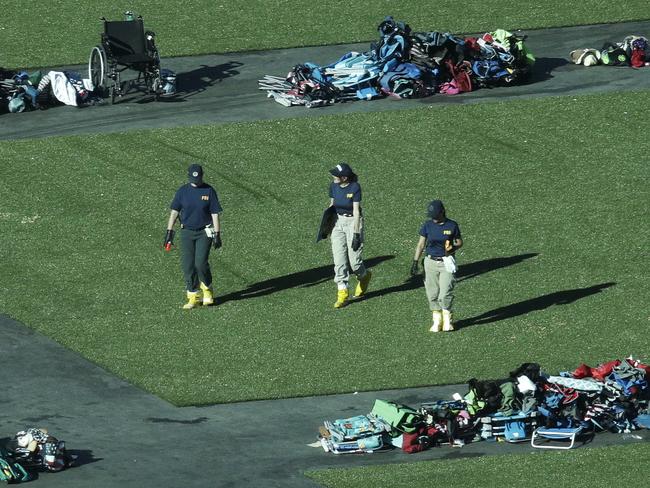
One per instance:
(97,68)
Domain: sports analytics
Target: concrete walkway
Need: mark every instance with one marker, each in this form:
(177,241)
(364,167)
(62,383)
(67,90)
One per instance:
(220,89)
(125,437)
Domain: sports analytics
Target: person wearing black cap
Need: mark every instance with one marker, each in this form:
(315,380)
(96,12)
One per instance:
(198,206)
(347,235)
(440,237)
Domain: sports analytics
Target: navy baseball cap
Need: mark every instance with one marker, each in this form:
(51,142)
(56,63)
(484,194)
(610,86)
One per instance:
(341,169)
(435,209)
(195,174)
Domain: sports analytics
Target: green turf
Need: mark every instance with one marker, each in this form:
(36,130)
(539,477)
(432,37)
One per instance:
(551,196)
(46,34)
(580,468)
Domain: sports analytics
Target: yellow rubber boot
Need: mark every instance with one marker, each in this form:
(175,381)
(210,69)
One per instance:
(362,285)
(341,298)
(193,300)
(208,296)
(437,321)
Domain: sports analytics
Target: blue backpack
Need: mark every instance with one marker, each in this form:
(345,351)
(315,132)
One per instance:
(515,431)
(401,80)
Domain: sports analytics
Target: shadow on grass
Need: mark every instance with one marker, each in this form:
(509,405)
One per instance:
(301,279)
(465,272)
(470,270)
(540,303)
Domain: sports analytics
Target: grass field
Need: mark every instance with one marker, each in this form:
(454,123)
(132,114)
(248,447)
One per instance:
(35,34)
(551,196)
(582,468)
(553,212)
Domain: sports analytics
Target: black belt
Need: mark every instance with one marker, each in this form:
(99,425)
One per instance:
(435,258)
(346,215)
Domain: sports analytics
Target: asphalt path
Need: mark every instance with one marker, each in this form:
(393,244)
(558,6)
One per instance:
(217,89)
(125,437)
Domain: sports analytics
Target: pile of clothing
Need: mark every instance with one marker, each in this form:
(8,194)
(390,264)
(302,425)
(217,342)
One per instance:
(21,91)
(632,51)
(407,64)
(614,397)
(31,451)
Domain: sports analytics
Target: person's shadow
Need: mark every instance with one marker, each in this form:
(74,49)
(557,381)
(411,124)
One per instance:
(198,80)
(539,303)
(470,270)
(465,272)
(301,279)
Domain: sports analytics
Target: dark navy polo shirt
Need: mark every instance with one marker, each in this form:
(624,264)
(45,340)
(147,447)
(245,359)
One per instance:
(196,205)
(437,234)
(344,197)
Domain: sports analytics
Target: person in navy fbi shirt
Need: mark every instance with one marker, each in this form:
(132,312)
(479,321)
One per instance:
(439,239)
(347,236)
(198,206)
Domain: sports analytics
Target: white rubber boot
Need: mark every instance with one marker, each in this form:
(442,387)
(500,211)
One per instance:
(437,320)
(446,321)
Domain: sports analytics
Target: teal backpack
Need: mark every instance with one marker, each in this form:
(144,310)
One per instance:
(10,471)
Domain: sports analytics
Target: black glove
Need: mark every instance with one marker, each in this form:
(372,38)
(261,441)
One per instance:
(414,268)
(169,240)
(216,240)
(356,241)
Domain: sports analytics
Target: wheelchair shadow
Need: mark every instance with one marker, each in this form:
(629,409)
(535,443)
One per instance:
(563,297)
(193,82)
(465,272)
(301,279)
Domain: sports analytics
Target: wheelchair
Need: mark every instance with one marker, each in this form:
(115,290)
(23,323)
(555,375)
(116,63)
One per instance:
(125,45)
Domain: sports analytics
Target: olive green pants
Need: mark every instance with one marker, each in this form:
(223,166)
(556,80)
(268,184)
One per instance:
(345,259)
(195,249)
(439,285)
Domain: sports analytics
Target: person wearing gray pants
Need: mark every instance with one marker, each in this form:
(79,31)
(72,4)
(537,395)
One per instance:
(347,236)
(439,239)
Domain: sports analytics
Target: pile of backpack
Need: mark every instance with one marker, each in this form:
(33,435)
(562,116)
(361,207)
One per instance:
(21,91)
(31,451)
(406,64)
(614,397)
(632,51)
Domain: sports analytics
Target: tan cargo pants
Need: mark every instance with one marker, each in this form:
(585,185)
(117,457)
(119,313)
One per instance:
(345,259)
(439,285)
